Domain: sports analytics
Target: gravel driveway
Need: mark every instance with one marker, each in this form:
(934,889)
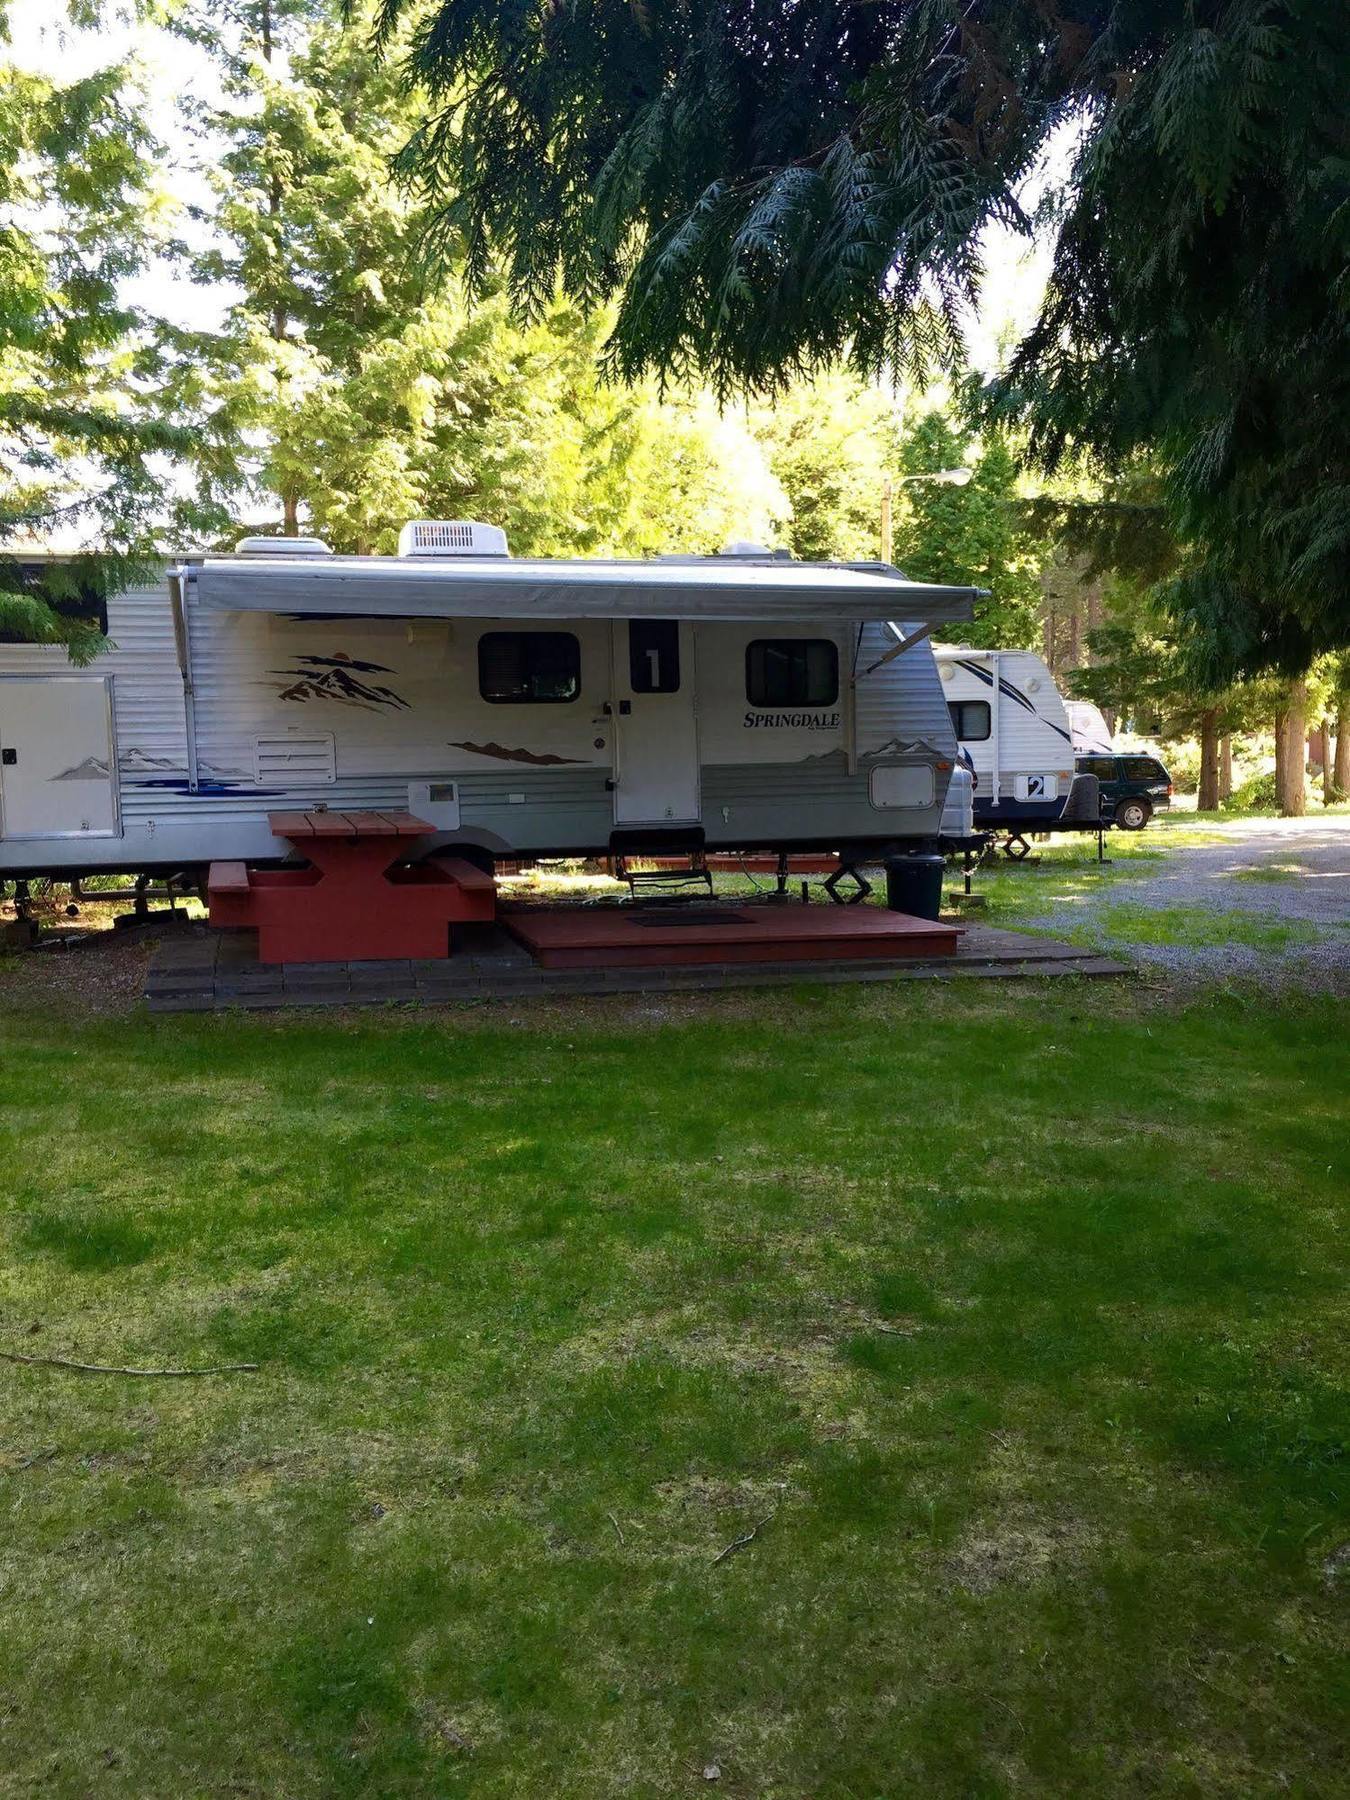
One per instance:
(1289,875)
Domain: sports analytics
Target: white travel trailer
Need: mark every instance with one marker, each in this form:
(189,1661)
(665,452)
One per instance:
(1090,734)
(522,707)
(1014,734)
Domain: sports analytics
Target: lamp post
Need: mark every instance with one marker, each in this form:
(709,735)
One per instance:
(946,477)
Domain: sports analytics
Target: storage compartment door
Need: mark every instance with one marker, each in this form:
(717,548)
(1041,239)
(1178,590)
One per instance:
(56,757)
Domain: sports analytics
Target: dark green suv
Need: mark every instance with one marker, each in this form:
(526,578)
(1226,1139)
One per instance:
(1133,788)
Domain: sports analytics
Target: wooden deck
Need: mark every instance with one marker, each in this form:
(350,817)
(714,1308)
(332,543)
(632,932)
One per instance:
(698,934)
(197,970)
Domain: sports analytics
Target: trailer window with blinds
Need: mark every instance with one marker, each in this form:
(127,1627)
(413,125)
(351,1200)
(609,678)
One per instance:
(970,720)
(529,668)
(791,672)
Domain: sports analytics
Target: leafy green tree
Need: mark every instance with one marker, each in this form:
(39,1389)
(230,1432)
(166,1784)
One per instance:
(831,443)
(80,425)
(774,183)
(348,392)
(1338,710)
(1139,667)
(1136,669)
(977,535)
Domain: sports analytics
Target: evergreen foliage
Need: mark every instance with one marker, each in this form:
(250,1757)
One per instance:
(977,535)
(347,389)
(831,443)
(81,425)
(773,183)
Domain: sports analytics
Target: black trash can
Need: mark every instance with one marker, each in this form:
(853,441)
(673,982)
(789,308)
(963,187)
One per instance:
(914,885)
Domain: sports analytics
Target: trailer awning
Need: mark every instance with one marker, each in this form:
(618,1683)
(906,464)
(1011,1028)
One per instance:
(465,587)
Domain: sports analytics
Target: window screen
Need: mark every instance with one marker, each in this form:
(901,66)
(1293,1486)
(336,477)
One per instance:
(791,672)
(970,720)
(529,667)
(654,656)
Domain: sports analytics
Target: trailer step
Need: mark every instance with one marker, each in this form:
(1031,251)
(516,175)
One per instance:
(671,875)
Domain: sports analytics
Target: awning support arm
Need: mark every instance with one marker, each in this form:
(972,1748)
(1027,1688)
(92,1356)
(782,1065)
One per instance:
(182,644)
(915,637)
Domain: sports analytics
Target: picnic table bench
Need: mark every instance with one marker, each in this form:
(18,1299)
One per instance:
(357,899)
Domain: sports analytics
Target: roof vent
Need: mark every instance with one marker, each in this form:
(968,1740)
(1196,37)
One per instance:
(451,537)
(744,547)
(281,546)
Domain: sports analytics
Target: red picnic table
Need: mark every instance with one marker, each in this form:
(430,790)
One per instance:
(357,900)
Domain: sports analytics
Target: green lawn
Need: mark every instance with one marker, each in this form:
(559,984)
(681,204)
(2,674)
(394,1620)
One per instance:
(1059,871)
(1012,1318)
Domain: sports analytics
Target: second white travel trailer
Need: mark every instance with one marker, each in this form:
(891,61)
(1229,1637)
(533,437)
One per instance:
(1014,735)
(1091,736)
(522,707)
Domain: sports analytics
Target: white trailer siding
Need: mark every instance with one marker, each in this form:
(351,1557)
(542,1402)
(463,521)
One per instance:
(149,742)
(1023,768)
(376,712)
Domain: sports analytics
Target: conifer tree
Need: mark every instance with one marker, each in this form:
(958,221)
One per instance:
(978,535)
(81,426)
(347,391)
(770,184)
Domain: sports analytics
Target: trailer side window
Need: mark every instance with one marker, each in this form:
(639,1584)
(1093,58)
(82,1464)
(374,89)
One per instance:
(526,668)
(970,720)
(791,672)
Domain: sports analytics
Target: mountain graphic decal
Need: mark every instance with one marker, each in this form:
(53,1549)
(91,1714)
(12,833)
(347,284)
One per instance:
(339,678)
(899,747)
(93,768)
(541,759)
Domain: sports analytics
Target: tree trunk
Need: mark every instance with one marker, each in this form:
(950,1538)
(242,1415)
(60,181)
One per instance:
(290,514)
(1207,800)
(1225,768)
(1281,749)
(1293,799)
(1341,774)
(1324,751)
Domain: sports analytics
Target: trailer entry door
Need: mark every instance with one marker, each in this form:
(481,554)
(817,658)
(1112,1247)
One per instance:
(56,757)
(655,724)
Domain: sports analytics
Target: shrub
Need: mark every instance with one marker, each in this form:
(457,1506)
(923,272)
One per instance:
(1182,758)
(1257,794)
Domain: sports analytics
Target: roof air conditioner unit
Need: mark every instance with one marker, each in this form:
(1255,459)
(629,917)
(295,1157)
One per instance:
(451,537)
(761,552)
(281,546)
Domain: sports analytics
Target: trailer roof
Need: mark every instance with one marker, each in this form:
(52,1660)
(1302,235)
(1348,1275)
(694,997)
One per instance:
(495,588)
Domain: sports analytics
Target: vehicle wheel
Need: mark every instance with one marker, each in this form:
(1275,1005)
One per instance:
(1133,815)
